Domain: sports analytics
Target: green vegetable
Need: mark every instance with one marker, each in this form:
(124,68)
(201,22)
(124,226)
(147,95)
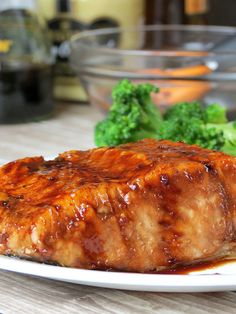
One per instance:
(185,111)
(193,124)
(187,122)
(215,114)
(229,131)
(132,116)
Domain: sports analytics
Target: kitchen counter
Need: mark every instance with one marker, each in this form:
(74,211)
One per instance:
(72,128)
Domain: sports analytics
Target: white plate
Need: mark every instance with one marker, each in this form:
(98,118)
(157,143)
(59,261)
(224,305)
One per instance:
(221,278)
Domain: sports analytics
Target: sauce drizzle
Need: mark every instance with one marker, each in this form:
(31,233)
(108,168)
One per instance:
(201,266)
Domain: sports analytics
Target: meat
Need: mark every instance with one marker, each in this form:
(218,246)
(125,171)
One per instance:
(140,207)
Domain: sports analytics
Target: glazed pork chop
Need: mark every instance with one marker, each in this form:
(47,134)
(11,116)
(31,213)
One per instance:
(140,207)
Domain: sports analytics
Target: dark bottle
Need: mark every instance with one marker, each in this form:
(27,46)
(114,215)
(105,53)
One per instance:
(197,12)
(222,12)
(165,12)
(61,28)
(26,65)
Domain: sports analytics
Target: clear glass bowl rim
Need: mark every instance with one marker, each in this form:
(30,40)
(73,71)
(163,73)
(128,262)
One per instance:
(77,39)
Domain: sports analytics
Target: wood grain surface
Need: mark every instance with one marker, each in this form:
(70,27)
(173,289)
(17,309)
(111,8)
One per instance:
(72,128)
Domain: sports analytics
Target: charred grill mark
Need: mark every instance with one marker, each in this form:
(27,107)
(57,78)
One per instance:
(52,178)
(19,197)
(32,167)
(165,224)
(123,220)
(3,238)
(11,202)
(210,168)
(9,167)
(168,198)
(164,179)
(57,207)
(170,259)
(227,201)
(226,205)
(6,204)
(170,240)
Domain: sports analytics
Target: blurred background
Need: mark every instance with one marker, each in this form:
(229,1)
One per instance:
(35,51)
(64,18)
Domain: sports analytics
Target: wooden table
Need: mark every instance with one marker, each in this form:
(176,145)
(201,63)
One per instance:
(72,128)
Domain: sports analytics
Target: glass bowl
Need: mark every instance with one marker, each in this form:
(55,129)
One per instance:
(186,62)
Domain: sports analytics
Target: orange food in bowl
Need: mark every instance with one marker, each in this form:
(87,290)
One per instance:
(173,91)
(190,71)
(179,91)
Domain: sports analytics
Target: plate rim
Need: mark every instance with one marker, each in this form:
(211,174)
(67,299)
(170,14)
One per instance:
(122,280)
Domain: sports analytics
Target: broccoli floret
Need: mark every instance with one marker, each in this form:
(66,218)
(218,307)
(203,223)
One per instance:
(185,111)
(186,122)
(215,114)
(132,116)
(229,132)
